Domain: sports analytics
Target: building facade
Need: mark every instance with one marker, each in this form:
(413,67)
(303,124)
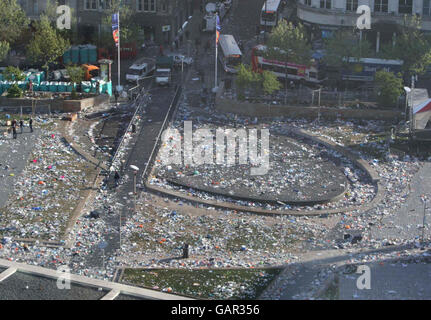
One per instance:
(324,16)
(160,21)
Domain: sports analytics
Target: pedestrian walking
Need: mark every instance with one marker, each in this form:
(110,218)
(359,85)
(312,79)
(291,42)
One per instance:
(116,96)
(30,122)
(14,132)
(116,178)
(13,123)
(21,124)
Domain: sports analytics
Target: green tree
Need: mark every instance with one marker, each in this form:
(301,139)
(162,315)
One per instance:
(13,74)
(14,91)
(76,75)
(47,45)
(389,87)
(245,77)
(12,21)
(270,82)
(130,30)
(4,49)
(289,43)
(343,45)
(411,46)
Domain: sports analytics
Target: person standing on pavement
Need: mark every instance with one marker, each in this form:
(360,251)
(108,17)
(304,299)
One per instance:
(116,178)
(14,132)
(30,122)
(116,96)
(21,124)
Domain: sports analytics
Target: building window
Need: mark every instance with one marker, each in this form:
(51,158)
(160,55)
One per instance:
(146,5)
(380,5)
(405,6)
(351,5)
(427,8)
(91,4)
(35,8)
(105,4)
(325,4)
(23,4)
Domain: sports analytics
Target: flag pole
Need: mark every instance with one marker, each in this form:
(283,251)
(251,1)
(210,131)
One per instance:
(216,52)
(119,51)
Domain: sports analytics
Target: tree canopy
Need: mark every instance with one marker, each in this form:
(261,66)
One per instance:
(288,42)
(47,44)
(345,44)
(389,87)
(76,73)
(411,46)
(246,78)
(129,29)
(4,49)
(13,21)
(12,73)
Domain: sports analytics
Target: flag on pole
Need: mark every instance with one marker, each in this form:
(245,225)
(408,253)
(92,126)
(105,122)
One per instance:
(218,28)
(115,28)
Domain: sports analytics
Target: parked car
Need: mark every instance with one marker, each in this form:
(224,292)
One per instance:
(179,59)
(163,77)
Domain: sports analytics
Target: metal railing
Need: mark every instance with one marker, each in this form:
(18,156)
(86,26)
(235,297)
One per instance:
(137,110)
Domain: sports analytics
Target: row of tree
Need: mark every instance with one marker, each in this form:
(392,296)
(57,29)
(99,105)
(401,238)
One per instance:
(45,42)
(290,43)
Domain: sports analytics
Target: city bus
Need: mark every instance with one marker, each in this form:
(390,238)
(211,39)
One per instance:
(270,13)
(364,69)
(229,54)
(295,72)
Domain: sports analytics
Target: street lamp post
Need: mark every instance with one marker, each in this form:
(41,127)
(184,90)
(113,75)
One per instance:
(423,222)
(264,33)
(407,90)
(135,173)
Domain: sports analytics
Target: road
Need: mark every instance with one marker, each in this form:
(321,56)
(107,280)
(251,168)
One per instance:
(153,115)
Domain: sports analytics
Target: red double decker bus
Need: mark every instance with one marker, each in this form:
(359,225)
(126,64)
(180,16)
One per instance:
(295,72)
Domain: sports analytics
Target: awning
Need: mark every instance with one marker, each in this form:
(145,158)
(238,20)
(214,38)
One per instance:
(422,114)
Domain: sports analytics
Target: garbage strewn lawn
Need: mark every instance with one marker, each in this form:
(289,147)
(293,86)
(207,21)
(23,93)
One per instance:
(47,191)
(205,283)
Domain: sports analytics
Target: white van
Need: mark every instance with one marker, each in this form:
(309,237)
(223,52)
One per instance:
(163,77)
(139,71)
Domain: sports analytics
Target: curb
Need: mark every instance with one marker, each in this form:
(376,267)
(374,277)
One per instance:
(359,162)
(81,152)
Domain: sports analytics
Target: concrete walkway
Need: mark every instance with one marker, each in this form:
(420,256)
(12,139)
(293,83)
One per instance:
(14,154)
(406,222)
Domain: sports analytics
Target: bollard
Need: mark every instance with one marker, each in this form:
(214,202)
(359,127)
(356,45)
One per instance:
(186,251)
